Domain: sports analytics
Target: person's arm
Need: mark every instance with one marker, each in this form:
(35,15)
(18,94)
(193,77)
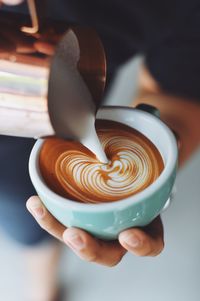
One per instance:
(182,115)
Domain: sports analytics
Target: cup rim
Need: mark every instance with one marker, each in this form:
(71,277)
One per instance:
(38,181)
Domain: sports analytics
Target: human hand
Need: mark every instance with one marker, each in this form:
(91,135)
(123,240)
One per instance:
(147,241)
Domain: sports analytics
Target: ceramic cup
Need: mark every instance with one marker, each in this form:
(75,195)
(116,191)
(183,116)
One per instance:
(106,221)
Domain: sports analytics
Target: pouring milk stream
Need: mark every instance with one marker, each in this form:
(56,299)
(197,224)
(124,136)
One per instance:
(71,106)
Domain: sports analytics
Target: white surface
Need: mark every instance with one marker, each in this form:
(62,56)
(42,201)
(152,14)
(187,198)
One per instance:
(126,83)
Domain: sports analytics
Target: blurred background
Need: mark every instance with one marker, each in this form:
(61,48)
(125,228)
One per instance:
(174,275)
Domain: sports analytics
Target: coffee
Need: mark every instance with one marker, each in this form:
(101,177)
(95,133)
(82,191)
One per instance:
(73,171)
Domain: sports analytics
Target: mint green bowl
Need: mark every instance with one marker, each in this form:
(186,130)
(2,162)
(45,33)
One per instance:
(106,221)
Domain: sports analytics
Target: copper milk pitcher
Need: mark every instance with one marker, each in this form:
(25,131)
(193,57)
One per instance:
(27,46)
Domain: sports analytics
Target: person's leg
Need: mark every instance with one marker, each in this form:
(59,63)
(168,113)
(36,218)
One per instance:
(40,251)
(41,263)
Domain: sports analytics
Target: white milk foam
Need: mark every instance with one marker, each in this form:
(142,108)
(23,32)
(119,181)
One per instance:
(129,170)
(91,141)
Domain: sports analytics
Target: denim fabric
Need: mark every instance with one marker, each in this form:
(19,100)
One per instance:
(15,189)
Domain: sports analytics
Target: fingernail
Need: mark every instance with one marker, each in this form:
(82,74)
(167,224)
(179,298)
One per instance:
(36,208)
(133,241)
(75,241)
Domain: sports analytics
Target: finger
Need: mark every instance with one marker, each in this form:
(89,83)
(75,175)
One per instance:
(93,250)
(44,47)
(44,218)
(144,242)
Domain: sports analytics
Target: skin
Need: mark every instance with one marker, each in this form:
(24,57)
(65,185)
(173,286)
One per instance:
(137,241)
(181,115)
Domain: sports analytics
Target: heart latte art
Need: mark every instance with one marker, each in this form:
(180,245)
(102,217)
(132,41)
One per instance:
(74,172)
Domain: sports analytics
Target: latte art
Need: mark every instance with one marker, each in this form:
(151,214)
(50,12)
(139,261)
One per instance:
(73,171)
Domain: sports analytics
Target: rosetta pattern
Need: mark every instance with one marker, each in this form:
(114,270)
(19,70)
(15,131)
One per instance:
(133,166)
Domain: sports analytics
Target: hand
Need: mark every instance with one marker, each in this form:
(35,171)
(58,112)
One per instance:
(142,242)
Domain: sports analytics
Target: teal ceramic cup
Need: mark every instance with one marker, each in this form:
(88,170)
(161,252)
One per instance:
(107,220)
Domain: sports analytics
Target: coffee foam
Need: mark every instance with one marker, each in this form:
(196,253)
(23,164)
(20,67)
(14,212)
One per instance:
(134,163)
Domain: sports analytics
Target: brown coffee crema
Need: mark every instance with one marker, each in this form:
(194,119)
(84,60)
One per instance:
(73,171)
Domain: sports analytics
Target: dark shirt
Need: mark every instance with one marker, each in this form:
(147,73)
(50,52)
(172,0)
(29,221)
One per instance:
(167,33)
